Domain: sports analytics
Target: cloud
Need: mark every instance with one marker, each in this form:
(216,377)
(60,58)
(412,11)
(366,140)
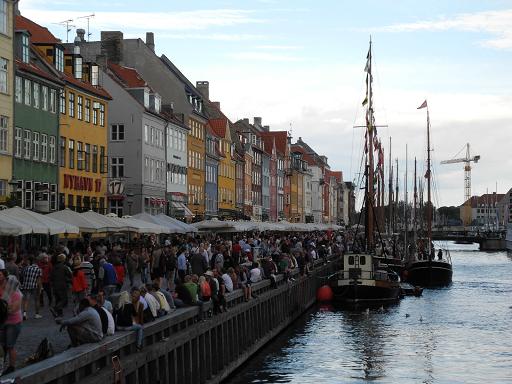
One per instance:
(154,21)
(497,23)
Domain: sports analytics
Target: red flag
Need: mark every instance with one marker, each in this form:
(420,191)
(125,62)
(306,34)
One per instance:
(424,105)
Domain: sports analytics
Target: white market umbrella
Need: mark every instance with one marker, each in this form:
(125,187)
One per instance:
(213,225)
(108,223)
(159,220)
(42,224)
(141,226)
(187,227)
(82,222)
(12,227)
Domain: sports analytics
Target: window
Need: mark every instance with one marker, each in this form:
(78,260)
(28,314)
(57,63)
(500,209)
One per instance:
(87,157)
(80,102)
(35,141)
(4,122)
(18,137)
(71,156)
(19,89)
(152,170)
(25,50)
(78,67)
(44,147)
(70,201)
(79,156)
(28,89)
(62,102)
(94,75)
(146,98)
(59,59)
(102,115)
(62,152)
(117,167)
(71,97)
(95,116)
(35,93)
(87,110)
(95,158)
(3,75)
(3,16)
(27,143)
(44,97)
(117,133)
(116,206)
(146,168)
(103,160)
(3,187)
(53,100)
(146,133)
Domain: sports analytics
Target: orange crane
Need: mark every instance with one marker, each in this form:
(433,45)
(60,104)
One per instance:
(466,217)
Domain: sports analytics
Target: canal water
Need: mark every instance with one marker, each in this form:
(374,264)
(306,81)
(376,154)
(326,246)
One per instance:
(459,334)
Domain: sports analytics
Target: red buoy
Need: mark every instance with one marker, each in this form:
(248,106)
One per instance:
(324,293)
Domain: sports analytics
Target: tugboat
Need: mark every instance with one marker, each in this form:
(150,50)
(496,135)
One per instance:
(365,279)
(424,270)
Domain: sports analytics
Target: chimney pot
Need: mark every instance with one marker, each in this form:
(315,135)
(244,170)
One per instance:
(80,34)
(150,40)
(204,88)
(257,121)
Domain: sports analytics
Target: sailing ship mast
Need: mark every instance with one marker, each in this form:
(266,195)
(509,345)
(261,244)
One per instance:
(406,201)
(390,193)
(370,132)
(429,193)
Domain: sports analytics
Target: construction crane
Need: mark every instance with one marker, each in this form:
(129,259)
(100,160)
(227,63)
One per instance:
(467,180)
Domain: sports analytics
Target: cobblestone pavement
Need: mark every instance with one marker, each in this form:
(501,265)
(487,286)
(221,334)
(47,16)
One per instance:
(35,330)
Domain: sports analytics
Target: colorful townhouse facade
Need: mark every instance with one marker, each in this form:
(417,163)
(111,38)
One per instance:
(7,90)
(83,113)
(35,168)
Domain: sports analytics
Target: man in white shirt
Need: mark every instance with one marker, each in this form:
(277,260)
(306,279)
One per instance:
(228,283)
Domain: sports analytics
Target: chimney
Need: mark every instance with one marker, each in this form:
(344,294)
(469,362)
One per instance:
(101,60)
(245,120)
(216,104)
(112,45)
(257,121)
(150,40)
(204,88)
(80,34)
(266,128)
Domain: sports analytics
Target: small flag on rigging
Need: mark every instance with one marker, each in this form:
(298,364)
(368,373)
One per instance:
(423,105)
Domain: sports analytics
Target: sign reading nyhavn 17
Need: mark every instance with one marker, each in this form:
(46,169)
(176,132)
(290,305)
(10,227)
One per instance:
(81,183)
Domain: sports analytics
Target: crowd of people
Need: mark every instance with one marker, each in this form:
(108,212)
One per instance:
(122,286)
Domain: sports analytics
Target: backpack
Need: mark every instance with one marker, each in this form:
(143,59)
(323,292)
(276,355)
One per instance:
(44,351)
(3,310)
(206,291)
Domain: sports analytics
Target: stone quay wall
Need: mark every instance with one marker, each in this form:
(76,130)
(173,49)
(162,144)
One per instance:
(180,348)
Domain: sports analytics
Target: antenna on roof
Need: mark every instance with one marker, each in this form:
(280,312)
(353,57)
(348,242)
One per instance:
(88,17)
(68,25)
(290,132)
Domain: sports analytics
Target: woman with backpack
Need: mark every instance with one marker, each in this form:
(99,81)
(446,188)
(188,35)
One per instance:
(10,317)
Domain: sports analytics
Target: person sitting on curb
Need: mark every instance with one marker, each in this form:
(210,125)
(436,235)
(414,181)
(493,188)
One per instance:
(85,327)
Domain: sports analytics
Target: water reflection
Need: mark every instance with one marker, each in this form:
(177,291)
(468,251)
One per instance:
(458,334)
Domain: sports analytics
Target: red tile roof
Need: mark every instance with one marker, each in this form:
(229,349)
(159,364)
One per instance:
(218,127)
(39,34)
(268,141)
(31,68)
(281,138)
(305,156)
(97,91)
(486,199)
(129,76)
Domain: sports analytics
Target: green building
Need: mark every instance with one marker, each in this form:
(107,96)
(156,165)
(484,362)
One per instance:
(36,128)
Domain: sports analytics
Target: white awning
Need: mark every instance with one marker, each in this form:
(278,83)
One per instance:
(42,224)
(82,222)
(160,220)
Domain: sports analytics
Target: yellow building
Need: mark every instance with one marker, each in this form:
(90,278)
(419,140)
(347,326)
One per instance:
(6,95)
(226,178)
(196,166)
(83,106)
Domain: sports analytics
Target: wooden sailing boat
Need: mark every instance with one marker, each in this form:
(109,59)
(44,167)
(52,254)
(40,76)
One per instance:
(365,279)
(424,270)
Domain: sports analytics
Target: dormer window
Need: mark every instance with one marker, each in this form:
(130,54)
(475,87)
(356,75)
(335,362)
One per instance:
(158,103)
(25,50)
(146,97)
(94,74)
(78,68)
(59,59)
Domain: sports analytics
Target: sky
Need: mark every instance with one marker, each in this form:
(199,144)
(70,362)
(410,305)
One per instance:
(299,64)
